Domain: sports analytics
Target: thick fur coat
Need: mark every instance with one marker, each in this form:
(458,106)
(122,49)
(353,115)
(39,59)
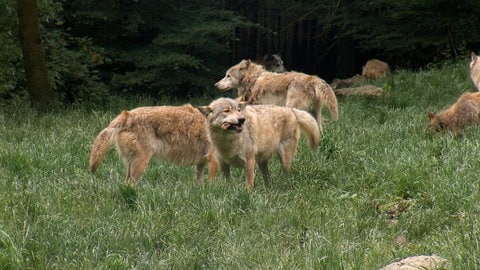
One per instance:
(454,119)
(375,69)
(247,135)
(174,134)
(291,89)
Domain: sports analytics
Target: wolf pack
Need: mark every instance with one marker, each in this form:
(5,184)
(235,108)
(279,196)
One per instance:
(272,108)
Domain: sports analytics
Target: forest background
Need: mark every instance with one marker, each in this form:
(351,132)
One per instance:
(99,48)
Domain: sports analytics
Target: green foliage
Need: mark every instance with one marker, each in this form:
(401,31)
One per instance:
(413,32)
(175,48)
(379,188)
(10,53)
(71,61)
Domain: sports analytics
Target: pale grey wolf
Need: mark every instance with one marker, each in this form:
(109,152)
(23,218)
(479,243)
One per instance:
(175,134)
(291,89)
(375,69)
(463,113)
(244,135)
(475,71)
(272,63)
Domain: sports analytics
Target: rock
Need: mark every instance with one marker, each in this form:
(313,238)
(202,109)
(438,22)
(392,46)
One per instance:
(423,262)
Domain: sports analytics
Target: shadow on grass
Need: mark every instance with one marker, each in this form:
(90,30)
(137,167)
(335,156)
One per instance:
(127,196)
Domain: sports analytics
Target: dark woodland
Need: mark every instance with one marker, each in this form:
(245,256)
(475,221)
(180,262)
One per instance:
(95,49)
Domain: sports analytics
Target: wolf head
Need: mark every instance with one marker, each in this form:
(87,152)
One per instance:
(434,123)
(225,114)
(233,76)
(241,76)
(274,63)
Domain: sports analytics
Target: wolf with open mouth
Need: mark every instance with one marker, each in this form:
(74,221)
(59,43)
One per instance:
(244,135)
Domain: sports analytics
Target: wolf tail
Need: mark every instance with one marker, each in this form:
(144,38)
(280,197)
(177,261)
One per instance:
(105,140)
(309,126)
(327,98)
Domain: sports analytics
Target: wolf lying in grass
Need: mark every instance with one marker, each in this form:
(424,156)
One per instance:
(291,89)
(375,69)
(475,71)
(463,113)
(174,134)
(244,135)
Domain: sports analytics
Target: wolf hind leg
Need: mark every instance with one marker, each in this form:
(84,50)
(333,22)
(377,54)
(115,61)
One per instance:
(134,156)
(200,167)
(287,150)
(212,166)
(319,119)
(136,167)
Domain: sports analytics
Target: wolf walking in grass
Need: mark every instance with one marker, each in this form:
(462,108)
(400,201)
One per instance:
(475,71)
(175,134)
(244,135)
(463,113)
(291,89)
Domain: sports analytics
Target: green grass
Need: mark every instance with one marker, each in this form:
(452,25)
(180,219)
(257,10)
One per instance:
(378,189)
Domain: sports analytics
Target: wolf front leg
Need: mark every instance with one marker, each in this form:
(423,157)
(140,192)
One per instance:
(265,173)
(225,168)
(250,172)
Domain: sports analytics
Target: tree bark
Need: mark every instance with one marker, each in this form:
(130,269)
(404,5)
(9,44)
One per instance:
(39,88)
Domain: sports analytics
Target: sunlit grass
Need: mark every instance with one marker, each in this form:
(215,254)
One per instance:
(379,188)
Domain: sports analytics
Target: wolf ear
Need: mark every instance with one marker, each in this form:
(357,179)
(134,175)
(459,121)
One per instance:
(244,104)
(245,63)
(474,58)
(205,110)
(431,115)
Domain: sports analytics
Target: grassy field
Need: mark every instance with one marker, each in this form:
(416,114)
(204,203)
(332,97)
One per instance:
(378,189)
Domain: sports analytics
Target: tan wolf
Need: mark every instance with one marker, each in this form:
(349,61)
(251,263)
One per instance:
(175,134)
(291,89)
(463,113)
(375,69)
(475,71)
(244,135)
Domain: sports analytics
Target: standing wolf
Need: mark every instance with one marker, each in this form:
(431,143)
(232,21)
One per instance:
(291,89)
(272,62)
(244,135)
(175,134)
(475,71)
(464,112)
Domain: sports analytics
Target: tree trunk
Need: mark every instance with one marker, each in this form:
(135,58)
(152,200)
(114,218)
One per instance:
(39,87)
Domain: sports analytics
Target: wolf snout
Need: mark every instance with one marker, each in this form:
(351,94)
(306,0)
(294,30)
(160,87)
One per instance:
(241,120)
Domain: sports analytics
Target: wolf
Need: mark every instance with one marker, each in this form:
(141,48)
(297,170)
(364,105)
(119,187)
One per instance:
(454,119)
(244,135)
(291,89)
(175,134)
(475,71)
(375,69)
(272,63)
